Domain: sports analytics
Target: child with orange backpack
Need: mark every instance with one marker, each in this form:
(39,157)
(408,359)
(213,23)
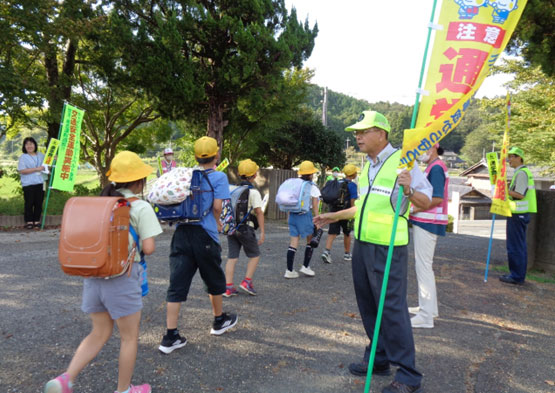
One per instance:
(119,298)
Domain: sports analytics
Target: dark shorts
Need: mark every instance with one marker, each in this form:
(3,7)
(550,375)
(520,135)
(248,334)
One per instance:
(193,249)
(345,225)
(244,237)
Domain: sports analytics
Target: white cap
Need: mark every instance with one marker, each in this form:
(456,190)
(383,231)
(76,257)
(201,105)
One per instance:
(168,151)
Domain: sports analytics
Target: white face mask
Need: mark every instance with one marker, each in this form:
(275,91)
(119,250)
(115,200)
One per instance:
(424,157)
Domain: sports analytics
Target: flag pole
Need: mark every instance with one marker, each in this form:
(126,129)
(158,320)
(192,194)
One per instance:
(396,220)
(51,178)
(489,247)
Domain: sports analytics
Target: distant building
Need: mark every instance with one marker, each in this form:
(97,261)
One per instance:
(451,159)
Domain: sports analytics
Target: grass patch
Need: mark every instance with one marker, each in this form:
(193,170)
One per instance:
(533,275)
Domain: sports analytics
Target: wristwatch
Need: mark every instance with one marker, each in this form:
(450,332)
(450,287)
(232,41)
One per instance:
(411,192)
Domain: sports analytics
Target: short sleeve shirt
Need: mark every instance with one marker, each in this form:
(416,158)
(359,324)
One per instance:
(221,191)
(436,177)
(353,191)
(315,191)
(520,184)
(142,218)
(27,161)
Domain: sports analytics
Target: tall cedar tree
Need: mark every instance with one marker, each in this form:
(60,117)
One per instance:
(198,58)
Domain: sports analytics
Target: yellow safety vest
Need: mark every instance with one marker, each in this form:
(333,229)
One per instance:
(528,203)
(375,212)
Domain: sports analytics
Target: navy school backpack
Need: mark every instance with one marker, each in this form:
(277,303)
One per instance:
(190,210)
(336,193)
(235,211)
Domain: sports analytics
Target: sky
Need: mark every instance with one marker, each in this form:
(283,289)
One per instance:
(373,49)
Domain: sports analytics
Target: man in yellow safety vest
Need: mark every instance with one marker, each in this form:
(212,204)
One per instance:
(522,201)
(374,213)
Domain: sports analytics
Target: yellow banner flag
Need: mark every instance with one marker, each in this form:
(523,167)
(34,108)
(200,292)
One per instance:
(470,36)
(68,156)
(500,200)
(493,167)
(223,165)
(51,151)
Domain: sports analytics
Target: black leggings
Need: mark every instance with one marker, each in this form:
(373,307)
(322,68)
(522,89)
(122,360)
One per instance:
(33,196)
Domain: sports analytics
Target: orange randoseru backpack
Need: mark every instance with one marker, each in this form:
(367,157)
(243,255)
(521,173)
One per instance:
(94,237)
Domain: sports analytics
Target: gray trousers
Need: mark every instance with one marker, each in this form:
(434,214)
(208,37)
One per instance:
(395,341)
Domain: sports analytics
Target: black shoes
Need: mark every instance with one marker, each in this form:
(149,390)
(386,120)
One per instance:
(226,323)
(509,280)
(398,387)
(169,344)
(360,369)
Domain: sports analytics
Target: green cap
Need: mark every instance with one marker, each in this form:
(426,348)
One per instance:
(517,152)
(369,119)
(336,169)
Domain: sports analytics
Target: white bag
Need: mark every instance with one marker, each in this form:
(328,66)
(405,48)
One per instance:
(172,187)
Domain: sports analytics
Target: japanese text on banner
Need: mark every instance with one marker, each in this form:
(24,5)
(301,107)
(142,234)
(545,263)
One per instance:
(68,156)
(469,41)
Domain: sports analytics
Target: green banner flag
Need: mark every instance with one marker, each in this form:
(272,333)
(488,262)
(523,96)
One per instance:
(68,153)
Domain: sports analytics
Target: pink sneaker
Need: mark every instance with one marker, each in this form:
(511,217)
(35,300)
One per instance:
(139,389)
(59,385)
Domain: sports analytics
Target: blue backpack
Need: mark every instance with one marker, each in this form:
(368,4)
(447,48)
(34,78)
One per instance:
(235,210)
(293,196)
(190,210)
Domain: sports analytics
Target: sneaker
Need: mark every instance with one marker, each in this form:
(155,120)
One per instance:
(326,257)
(247,287)
(307,271)
(169,344)
(227,323)
(361,369)
(398,387)
(139,389)
(230,291)
(416,310)
(60,384)
(347,257)
(291,274)
(418,321)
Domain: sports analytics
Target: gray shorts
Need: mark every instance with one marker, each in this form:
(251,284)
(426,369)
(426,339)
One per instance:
(245,238)
(120,296)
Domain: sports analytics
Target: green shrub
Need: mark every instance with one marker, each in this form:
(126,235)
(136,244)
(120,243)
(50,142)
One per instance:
(450,220)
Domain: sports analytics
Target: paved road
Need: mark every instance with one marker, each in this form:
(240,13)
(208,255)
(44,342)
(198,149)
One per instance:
(297,336)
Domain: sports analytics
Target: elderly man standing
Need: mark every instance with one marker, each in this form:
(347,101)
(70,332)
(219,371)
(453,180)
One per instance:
(522,200)
(374,212)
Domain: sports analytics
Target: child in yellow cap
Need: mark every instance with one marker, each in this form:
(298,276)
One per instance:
(300,225)
(117,299)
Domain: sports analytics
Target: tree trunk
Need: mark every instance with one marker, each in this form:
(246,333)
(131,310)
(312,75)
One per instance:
(216,123)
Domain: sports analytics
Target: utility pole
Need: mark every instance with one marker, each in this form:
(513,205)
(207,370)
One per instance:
(325,108)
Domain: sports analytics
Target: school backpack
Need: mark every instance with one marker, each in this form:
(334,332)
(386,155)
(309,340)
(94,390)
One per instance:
(235,211)
(336,193)
(190,209)
(294,195)
(94,238)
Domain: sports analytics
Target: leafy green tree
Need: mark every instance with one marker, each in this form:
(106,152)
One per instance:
(199,58)
(533,36)
(38,54)
(303,138)
(532,113)
(249,120)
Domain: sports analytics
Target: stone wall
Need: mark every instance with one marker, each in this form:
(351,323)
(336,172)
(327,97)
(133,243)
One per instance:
(541,233)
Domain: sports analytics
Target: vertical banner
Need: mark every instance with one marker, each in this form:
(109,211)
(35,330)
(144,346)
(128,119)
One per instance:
(51,151)
(68,155)
(468,41)
(500,200)
(493,167)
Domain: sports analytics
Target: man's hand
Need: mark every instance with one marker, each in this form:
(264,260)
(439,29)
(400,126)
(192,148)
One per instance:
(262,238)
(404,180)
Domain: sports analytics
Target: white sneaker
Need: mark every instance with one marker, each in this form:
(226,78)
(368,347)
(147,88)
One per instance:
(326,257)
(348,257)
(416,310)
(419,322)
(307,271)
(291,274)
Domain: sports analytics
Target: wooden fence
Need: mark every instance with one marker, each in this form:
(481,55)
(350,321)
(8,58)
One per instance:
(268,181)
